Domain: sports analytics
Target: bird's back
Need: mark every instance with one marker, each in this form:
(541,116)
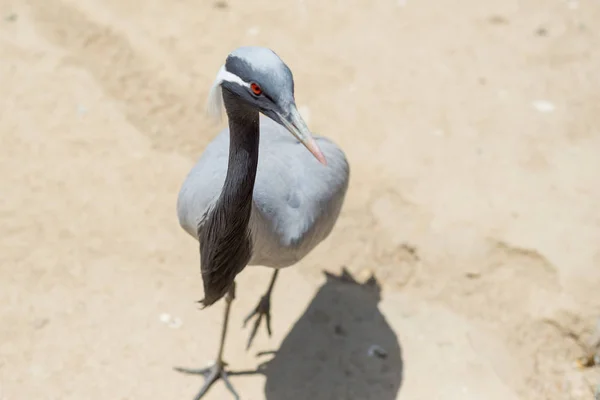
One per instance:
(296,200)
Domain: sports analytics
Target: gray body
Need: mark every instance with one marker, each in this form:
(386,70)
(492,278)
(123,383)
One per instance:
(269,210)
(295,203)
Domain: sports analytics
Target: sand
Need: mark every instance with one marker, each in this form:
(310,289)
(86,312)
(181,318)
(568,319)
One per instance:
(473,132)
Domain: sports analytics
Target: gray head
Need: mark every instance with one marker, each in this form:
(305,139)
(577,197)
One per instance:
(260,79)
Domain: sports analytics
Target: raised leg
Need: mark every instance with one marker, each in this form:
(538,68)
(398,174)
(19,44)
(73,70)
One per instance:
(217,370)
(263,309)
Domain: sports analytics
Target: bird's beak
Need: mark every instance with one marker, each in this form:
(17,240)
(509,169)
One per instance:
(297,127)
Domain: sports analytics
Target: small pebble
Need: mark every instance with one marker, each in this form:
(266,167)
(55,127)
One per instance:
(171,322)
(377,351)
(543,106)
(165,318)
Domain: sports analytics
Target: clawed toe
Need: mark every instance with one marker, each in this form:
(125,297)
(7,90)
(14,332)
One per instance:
(211,375)
(263,309)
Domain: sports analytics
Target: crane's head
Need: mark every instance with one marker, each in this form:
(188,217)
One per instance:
(258,77)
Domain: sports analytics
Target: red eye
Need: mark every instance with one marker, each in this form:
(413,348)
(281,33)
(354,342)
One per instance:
(256,89)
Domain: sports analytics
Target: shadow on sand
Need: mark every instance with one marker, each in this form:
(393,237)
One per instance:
(341,348)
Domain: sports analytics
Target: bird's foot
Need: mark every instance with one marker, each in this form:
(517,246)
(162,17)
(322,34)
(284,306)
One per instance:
(211,375)
(263,309)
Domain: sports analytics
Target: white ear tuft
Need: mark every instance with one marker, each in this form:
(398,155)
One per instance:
(215,96)
(214,106)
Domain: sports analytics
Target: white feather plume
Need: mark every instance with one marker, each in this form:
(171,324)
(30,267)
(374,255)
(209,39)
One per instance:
(214,105)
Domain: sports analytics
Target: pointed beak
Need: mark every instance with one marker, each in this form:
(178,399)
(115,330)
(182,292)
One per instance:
(297,127)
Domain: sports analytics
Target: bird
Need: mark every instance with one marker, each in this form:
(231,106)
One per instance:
(264,192)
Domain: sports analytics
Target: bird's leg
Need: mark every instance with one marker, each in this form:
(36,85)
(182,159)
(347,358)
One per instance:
(217,370)
(262,309)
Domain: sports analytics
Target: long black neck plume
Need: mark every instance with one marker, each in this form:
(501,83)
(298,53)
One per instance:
(225,244)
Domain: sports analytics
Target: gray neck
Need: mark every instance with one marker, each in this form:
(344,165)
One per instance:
(225,244)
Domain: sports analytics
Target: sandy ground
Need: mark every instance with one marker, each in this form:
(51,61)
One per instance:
(475,206)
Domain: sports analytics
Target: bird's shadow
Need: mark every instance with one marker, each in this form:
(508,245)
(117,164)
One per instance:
(341,348)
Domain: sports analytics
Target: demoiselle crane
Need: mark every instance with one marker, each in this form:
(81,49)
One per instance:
(244,209)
